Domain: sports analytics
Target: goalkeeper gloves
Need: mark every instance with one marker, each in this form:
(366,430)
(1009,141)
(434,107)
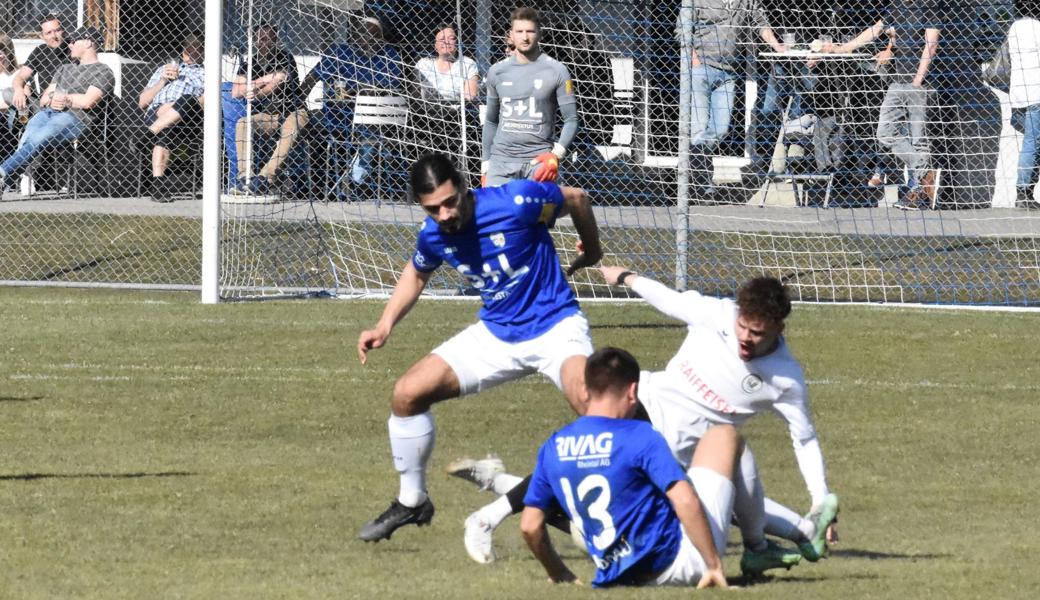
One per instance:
(484,166)
(548,164)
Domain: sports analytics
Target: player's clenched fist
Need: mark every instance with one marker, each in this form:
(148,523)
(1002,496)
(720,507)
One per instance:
(370,339)
(548,167)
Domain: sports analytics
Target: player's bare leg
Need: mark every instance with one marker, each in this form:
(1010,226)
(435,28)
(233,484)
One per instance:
(412,436)
(572,380)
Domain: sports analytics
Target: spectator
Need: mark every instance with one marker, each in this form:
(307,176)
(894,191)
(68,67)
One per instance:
(43,61)
(1024,50)
(788,81)
(715,56)
(368,63)
(447,76)
(69,104)
(278,107)
(8,113)
(912,26)
(173,97)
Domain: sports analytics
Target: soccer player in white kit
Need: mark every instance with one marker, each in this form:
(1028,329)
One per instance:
(733,364)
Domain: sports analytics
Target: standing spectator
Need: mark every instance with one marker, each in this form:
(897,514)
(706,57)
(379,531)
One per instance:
(447,76)
(278,107)
(173,96)
(913,27)
(1024,49)
(43,61)
(714,58)
(523,93)
(68,105)
(8,113)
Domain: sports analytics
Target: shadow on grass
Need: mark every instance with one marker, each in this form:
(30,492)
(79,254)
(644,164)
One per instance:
(874,555)
(20,398)
(741,581)
(35,476)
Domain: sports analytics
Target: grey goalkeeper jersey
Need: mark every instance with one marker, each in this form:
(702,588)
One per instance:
(522,100)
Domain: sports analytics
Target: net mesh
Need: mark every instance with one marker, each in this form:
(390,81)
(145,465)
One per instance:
(717,140)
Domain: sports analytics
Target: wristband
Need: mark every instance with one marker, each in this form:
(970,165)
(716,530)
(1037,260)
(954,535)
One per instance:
(621,278)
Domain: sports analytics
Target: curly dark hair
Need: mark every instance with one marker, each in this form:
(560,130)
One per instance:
(764,298)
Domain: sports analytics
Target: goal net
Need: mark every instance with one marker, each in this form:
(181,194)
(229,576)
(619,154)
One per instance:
(861,150)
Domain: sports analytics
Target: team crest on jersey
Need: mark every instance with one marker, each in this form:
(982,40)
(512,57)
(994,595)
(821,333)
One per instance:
(568,87)
(498,239)
(537,84)
(751,384)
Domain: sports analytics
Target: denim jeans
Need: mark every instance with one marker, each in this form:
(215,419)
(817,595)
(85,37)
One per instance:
(902,127)
(47,129)
(1029,118)
(786,80)
(711,101)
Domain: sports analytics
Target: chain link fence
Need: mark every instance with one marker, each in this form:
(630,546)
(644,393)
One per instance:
(863,150)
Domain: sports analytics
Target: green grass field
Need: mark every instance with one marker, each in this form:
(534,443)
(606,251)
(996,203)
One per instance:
(155,447)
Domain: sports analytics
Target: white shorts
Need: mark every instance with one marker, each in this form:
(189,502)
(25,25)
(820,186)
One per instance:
(716,495)
(673,416)
(481,361)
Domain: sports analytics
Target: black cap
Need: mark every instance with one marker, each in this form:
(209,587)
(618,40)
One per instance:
(88,33)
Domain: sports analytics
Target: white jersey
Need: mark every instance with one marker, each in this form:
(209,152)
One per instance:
(707,383)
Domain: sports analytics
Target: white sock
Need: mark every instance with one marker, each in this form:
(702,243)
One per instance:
(749,502)
(411,442)
(497,511)
(785,523)
(503,482)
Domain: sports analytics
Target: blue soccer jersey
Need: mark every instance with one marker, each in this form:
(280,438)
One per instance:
(506,253)
(611,477)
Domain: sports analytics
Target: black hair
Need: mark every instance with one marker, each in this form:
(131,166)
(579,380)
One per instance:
(429,172)
(610,368)
(48,17)
(764,298)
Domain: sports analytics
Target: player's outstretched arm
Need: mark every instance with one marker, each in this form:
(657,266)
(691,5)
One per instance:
(576,204)
(688,508)
(532,527)
(657,294)
(406,292)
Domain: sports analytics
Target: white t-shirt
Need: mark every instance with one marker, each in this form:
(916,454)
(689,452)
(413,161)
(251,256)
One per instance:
(450,85)
(707,383)
(1024,49)
(7,87)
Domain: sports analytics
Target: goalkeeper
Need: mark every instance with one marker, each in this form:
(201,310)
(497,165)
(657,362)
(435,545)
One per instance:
(524,92)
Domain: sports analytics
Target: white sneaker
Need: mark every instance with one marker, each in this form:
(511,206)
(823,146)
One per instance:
(478,539)
(481,472)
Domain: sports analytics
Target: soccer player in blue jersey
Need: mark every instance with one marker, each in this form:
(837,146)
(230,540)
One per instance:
(498,239)
(616,479)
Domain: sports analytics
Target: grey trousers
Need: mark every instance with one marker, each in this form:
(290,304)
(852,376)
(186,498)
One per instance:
(501,172)
(902,126)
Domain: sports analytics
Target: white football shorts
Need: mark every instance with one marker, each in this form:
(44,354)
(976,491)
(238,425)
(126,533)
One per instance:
(481,361)
(716,495)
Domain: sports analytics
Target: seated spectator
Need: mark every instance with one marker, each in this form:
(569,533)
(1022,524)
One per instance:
(70,104)
(1024,50)
(277,107)
(446,76)
(172,100)
(8,113)
(369,64)
(43,62)
(715,56)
